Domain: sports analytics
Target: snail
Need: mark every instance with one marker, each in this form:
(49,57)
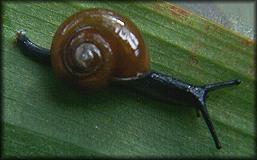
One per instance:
(96,47)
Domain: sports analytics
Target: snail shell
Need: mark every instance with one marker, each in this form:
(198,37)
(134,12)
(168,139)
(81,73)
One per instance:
(95,46)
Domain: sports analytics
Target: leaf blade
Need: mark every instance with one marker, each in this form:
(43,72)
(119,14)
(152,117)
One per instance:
(115,122)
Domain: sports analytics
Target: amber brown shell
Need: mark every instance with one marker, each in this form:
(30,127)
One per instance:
(124,54)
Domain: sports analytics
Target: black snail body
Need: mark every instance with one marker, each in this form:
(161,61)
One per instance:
(95,47)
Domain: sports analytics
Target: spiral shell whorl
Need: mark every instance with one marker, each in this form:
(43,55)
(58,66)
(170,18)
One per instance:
(81,59)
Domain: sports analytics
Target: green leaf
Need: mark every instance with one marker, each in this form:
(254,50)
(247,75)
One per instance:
(43,117)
